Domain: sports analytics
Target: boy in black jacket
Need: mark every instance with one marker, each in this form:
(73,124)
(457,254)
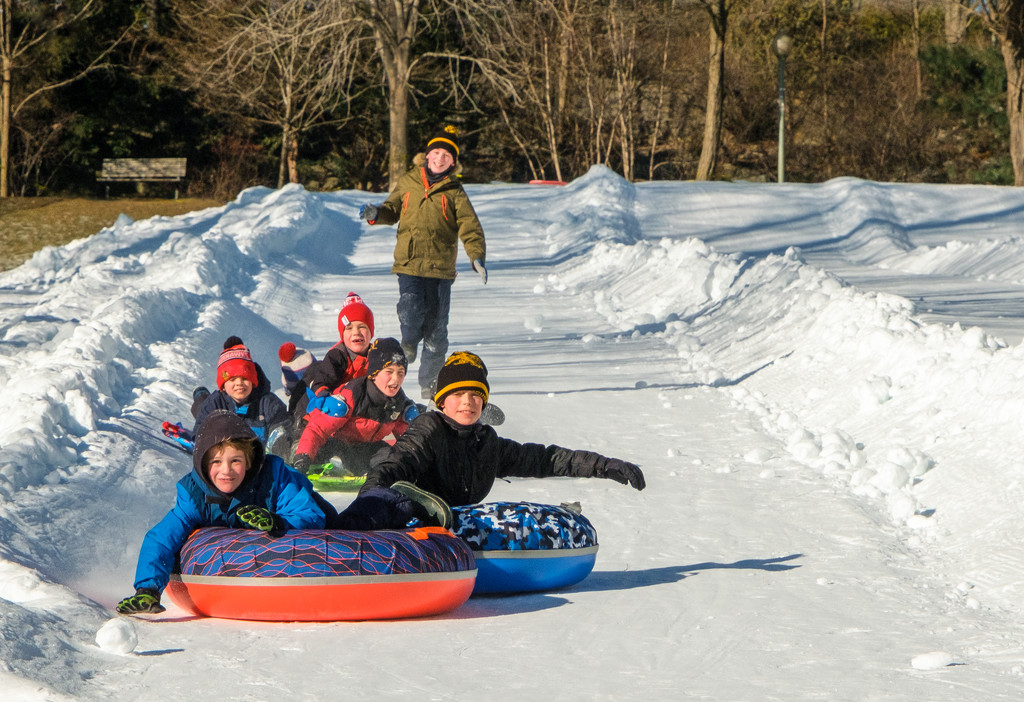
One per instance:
(449,458)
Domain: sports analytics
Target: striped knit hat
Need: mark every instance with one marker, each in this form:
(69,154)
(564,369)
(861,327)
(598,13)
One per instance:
(445,140)
(462,371)
(294,362)
(235,361)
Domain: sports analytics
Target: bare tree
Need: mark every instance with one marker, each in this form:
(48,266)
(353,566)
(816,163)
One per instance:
(1004,19)
(291,64)
(395,25)
(718,14)
(659,103)
(25,28)
(618,34)
(526,51)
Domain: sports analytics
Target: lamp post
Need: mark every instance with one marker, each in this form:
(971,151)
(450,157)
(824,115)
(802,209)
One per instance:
(782,45)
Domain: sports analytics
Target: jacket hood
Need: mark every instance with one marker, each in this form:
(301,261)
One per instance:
(219,426)
(263,387)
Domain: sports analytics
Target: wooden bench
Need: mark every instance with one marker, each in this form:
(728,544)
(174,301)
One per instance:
(142,170)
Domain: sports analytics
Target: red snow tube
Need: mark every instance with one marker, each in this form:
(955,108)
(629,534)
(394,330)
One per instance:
(320,575)
(548,182)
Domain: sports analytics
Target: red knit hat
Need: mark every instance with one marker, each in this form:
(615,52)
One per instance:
(354,310)
(235,361)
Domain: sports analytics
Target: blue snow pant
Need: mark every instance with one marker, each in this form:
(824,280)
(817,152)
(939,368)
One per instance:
(423,305)
(377,508)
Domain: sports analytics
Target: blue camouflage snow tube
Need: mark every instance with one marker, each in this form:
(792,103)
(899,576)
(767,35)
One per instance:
(526,547)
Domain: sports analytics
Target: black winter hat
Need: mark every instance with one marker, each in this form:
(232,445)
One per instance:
(462,371)
(446,140)
(384,352)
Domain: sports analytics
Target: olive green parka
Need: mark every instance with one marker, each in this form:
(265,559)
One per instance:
(431,221)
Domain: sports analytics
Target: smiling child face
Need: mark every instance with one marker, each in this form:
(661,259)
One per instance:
(227,467)
(439,160)
(238,389)
(464,406)
(357,337)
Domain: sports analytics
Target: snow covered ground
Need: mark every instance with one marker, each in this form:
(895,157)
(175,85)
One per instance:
(822,383)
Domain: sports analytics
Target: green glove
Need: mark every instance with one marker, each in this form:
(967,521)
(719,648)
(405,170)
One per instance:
(144,601)
(256,517)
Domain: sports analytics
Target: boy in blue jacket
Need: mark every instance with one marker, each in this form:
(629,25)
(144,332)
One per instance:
(233,483)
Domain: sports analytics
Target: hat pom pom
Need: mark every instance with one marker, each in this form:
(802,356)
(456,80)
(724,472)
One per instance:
(287,352)
(232,341)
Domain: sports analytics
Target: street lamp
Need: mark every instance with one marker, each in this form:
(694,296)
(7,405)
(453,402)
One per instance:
(782,45)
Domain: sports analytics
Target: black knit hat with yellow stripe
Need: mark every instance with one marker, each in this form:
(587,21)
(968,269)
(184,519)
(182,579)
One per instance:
(446,140)
(462,371)
(382,353)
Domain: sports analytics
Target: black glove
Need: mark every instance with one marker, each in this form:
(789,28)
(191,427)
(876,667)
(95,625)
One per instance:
(302,462)
(144,601)
(256,517)
(625,473)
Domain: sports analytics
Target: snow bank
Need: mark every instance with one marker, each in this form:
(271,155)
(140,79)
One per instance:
(728,291)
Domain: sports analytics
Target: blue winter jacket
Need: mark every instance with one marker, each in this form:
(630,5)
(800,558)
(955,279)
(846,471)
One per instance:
(274,485)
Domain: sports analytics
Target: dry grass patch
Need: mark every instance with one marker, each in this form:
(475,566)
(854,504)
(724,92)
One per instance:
(29,224)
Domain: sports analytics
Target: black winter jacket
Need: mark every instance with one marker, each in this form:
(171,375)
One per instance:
(460,464)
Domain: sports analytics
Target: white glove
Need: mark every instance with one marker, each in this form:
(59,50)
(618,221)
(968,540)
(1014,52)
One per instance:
(478,266)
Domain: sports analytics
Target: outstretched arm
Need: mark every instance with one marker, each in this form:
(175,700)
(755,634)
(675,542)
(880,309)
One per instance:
(537,461)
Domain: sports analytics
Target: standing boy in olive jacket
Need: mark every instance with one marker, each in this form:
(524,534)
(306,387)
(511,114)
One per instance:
(433,213)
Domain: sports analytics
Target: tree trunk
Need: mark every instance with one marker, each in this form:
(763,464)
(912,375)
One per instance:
(919,77)
(713,113)
(395,26)
(152,10)
(398,129)
(293,159)
(5,126)
(288,168)
(826,85)
(1013,57)
(6,110)
(957,17)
